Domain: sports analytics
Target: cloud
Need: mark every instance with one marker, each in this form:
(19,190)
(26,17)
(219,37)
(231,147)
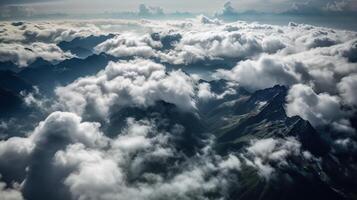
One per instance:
(319,109)
(263,73)
(267,154)
(24,42)
(23,55)
(337,6)
(194,44)
(348,88)
(133,83)
(212,45)
(33,153)
(126,45)
(93,166)
(320,6)
(9,193)
(146,11)
(68,127)
(208,39)
(46,32)
(227,11)
(82,159)
(204,91)
(205,20)
(118,170)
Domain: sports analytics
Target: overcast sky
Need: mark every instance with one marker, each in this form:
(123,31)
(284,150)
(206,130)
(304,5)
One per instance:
(206,6)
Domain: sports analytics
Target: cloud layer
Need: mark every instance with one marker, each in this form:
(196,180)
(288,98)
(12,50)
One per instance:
(123,132)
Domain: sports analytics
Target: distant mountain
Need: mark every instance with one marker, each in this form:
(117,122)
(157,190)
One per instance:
(83,47)
(10,103)
(48,76)
(9,80)
(8,65)
(39,62)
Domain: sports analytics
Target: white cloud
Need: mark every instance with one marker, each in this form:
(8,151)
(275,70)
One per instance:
(68,127)
(105,173)
(64,126)
(22,55)
(267,154)
(46,32)
(9,193)
(348,88)
(131,83)
(232,162)
(263,73)
(204,91)
(319,109)
(129,44)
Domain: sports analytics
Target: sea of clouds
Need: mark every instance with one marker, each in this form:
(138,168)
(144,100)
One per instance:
(69,155)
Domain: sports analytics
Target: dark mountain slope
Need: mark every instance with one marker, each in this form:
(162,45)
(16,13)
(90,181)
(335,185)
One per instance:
(48,76)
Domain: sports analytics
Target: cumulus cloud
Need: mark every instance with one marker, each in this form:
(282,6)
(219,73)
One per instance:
(319,109)
(9,193)
(119,168)
(34,152)
(227,11)
(93,166)
(205,39)
(146,11)
(46,32)
(23,42)
(263,73)
(195,45)
(125,45)
(22,55)
(348,88)
(132,83)
(267,154)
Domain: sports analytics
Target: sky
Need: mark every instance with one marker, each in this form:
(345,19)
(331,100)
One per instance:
(341,14)
(206,6)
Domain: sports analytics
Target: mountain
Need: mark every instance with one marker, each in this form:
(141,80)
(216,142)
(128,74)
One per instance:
(8,65)
(261,115)
(10,103)
(11,81)
(82,47)
(40,62)
(48,76)
(167,117)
